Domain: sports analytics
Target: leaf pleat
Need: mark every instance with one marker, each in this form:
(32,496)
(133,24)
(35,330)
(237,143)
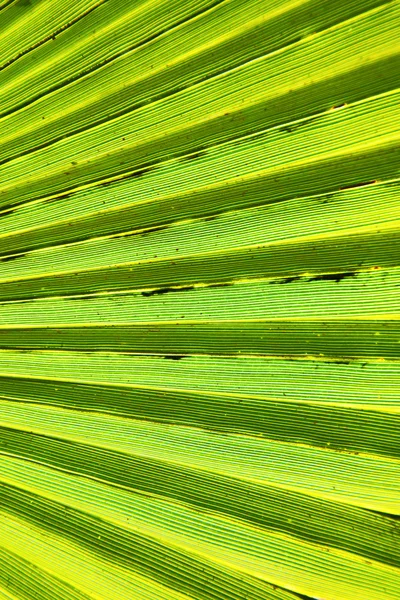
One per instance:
(199,300)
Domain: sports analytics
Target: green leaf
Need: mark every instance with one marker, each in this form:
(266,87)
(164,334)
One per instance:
(199,300)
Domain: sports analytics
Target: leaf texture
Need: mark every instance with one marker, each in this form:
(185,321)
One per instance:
(199,300)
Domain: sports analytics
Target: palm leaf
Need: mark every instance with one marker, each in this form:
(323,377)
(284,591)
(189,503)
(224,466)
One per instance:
(199,300)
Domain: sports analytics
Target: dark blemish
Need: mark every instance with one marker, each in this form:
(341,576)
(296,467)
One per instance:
(12,257)
(125,235)
(326,198)
(294,127)
(69,195)
(295,40)
(285,280)
(107,183)
(386,515)
(166,290)
(354,185)
(134,175)
(160,228)
(333,276)
(296,597)
(210,218)
(175,356)
(141,233)
(140,173)
(193,156)
(217,285)
(60,197)
(74,163)
(7,212)
(137,174)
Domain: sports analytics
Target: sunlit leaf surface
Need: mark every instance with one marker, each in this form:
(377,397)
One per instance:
(199,300)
